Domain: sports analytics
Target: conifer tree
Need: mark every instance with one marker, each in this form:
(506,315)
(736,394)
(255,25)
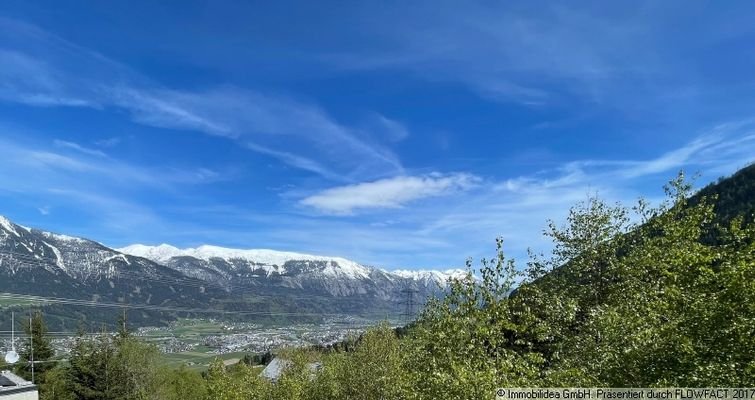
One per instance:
(36,348)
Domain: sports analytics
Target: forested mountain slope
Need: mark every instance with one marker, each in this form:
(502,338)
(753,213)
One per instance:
(735,195)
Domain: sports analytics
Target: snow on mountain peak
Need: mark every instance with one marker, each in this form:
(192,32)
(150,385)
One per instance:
(7,225)
(161,253)
(63,238)
(274,261)
(440,277)
(265,257)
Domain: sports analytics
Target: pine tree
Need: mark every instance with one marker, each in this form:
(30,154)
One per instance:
(90,371)
(37,349)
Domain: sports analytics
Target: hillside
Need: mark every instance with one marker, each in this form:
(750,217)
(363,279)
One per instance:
(735,196)
(657,307)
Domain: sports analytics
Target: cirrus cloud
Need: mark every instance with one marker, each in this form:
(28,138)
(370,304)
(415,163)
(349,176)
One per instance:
(40,69)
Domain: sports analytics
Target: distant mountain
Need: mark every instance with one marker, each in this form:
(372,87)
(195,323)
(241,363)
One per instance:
(40,263)
(58,265)
(335,276)
(266,282)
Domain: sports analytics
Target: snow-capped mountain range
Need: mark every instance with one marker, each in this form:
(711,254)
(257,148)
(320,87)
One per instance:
(272,261)
(336,276)
(36,262)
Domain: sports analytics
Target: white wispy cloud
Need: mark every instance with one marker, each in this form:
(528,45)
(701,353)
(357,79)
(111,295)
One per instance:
(40,69)
(464,225)
(673,159)
(79,148)
(169,109)
(385,127)
(441,233)
(26,80)
(109,192)
(541,54)
(68,163)
(269,125)
(503,53)
(297,161)
(517,207)
(388,193)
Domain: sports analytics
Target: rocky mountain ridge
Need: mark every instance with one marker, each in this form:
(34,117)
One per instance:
(41,263)
(229,263)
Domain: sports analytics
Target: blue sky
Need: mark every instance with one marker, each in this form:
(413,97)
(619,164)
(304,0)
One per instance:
(398,134)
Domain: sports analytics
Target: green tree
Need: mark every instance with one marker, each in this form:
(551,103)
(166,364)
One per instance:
(586,245)
(618,303)
(181,384)
(57,385)
(465,346)
(672,314)
(108,367)
(91,363)
(296,380)
(134,369)
(37,346)
(244,384)
(374,370)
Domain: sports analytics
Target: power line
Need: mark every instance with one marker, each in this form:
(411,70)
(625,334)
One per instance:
(89,303)
(235,331)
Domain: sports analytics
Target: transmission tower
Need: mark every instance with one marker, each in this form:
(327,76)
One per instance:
(408,304)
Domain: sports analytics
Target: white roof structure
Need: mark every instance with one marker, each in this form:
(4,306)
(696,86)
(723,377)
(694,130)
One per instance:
(275,368)
(13,387)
